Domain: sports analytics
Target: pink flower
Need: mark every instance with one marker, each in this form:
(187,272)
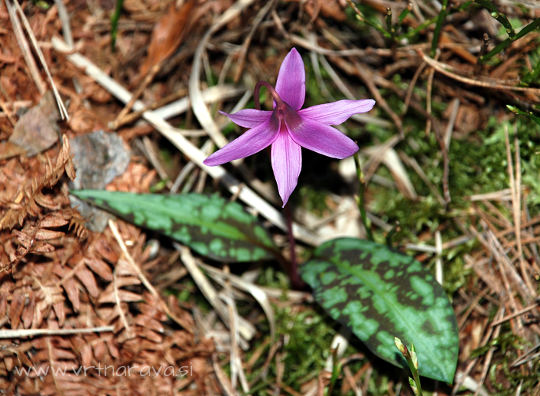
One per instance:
(289,127)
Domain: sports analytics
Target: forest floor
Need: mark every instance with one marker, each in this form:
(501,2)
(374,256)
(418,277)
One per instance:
(450,176)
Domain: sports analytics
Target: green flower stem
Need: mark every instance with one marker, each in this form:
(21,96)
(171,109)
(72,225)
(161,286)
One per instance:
(412,362)
(336,369)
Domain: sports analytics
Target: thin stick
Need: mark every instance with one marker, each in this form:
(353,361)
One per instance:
(144,280)
(448,71)
(8,333)
(438,261)
(178,103)
(245,328)
(489,354)
(199,107)
(115,124)
(515,187)
(25,48)
(64,18)
(515,314)
(431,74)
(61,108)
(237,370)
(254,25)
(411,87)
(118,303)
(119,120)
(222,377)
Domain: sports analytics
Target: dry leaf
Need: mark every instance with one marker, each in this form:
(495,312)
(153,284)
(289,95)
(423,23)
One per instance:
(37,129)
(168,34)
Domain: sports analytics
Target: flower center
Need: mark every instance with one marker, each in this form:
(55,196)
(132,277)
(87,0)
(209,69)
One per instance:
(282,111)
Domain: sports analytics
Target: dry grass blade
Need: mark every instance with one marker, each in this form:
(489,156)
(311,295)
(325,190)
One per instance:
(197,103)
(237,370)
(359,69)
(385,153)
(515,188)
(438,261)
(246,329)
(25,48)
(258,293)
(120,307)
(18,333)
(61,108)
(224,381)
(449,71)
(243,50)
(515,314)
(489,354)
(212,94)
(144,280)
(64,17)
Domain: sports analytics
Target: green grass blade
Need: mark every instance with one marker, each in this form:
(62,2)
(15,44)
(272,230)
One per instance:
(528,114)
(114,22)
(503,20)
(438,27)
(534,25)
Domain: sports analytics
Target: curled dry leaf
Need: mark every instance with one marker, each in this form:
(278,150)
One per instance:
(168,34)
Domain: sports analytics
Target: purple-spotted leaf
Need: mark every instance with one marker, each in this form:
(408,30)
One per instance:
(210,225)
(381,294)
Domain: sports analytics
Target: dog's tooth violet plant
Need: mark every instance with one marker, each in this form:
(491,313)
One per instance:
(288,127)
(376,292)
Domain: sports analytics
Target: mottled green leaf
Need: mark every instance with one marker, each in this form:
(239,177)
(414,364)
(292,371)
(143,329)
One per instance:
(210,225)
(381,294)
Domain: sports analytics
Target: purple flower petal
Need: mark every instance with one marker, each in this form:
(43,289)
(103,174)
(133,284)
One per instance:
(336,112)
(250,142)
(323,139)
(249,118)
(286,163)
(291,80)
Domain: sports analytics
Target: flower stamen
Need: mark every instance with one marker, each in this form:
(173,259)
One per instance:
(283,111)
